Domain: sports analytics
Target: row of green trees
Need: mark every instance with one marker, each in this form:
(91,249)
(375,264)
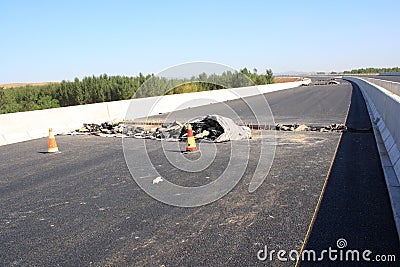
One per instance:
(111,88)
(372,70)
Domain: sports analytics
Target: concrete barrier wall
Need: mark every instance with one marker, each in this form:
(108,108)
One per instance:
(393,87)
(386,110)
(22,126)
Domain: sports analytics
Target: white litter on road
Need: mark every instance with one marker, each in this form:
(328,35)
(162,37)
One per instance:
(157,180)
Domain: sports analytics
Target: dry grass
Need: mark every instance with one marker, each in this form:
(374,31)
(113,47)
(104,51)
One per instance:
(285,79)
(12,85)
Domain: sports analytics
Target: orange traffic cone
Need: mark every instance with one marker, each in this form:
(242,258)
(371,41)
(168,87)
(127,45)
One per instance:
(191,142)
(52,145)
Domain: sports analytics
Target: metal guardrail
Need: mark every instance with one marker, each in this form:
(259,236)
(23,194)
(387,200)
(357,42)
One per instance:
(393,87)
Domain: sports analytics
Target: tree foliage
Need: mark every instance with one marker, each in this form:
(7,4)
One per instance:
(111,88)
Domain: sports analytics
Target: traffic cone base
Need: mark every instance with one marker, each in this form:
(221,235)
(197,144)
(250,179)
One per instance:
(53,150)
(191,151)
(52,144)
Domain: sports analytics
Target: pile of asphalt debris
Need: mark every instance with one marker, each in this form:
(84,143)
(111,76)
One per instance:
(167,131)
(176,131)
(214,128)
(304,128)
(105,129)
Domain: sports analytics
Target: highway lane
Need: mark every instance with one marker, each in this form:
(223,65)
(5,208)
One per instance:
(81,207)
(311,105)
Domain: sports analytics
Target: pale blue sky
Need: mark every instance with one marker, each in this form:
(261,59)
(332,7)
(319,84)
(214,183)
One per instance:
(56,40)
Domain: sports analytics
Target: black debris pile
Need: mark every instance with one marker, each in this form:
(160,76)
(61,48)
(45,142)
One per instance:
(304,128)
(217,129)
(206,128)
(108,129)
(167,131)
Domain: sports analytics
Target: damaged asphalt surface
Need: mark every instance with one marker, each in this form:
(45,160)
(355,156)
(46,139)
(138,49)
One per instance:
(82,207)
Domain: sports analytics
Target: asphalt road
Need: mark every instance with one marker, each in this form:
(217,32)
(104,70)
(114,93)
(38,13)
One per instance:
(81,207)
(311,105)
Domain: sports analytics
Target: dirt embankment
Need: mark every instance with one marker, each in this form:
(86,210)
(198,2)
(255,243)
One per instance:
(12,85)
(286,79)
